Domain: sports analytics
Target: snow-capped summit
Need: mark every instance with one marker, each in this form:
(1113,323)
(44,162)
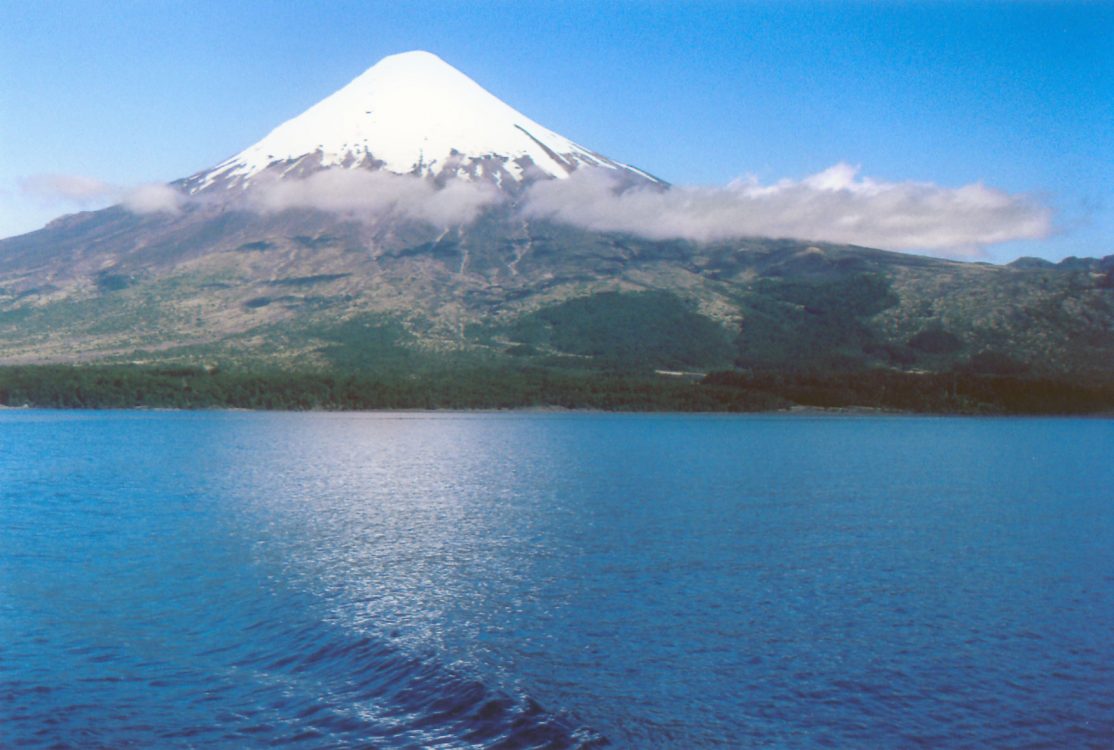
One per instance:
(410,113)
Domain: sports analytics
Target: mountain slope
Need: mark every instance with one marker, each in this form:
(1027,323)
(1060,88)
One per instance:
(224,280)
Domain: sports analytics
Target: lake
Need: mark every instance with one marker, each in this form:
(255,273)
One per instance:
(517,580)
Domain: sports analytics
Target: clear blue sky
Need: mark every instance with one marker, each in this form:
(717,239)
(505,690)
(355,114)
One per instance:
(1018,95)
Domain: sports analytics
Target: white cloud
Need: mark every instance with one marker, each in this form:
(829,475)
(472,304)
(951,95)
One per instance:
(835,205)
(153,198)
(365,194)
(74,190)
(67,188)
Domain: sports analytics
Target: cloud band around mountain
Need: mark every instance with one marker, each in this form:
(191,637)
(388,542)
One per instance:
(835,205)
(365,194)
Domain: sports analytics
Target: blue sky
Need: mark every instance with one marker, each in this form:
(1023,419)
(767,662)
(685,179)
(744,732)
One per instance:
(1016,95)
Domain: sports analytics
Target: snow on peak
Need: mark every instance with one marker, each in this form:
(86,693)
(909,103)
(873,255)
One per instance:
(412,113)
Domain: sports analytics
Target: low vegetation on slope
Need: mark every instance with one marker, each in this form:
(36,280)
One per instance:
(635,331)
(301,310)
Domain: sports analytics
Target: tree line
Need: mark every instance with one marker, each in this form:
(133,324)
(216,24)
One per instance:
(479,387)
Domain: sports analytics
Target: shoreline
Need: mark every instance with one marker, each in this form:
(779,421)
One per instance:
(802,411)
(876,392)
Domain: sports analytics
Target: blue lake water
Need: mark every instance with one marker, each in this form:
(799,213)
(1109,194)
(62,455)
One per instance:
(241,580)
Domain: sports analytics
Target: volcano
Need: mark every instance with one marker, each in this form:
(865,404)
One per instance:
(410,114)
(382,229)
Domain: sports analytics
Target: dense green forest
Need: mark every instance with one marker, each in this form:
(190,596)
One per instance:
(130,386)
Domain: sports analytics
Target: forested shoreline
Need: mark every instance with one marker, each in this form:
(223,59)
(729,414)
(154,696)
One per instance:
(186,387)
